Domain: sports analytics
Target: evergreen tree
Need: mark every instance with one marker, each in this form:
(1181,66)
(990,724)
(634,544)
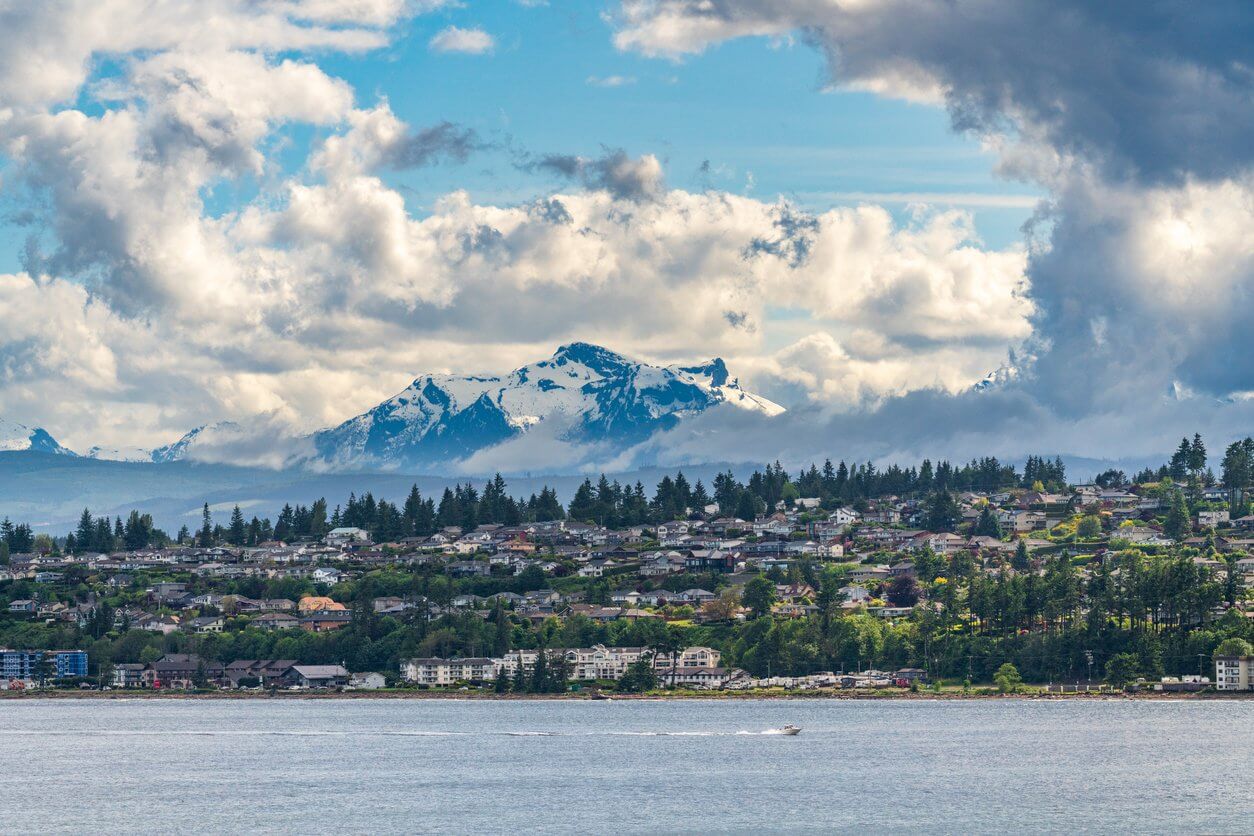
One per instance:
(1022,561)
(237,532)
(987,525)
(205,538)
(943,513)
(85,534)
(1197,455)
(759,595)
(583,505)
(1179,466)
(1238,474)
(540,674)
(1177,524)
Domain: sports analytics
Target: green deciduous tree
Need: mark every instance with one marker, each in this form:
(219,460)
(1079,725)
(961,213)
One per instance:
(1234,647)
(1007,678)
(759,596)
(1122,669)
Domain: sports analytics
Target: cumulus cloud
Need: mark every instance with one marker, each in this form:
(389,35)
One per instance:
(1150,90)
(348,296)
(1135,118)
(377,139)
(323,293)
(49,45)
(467,41)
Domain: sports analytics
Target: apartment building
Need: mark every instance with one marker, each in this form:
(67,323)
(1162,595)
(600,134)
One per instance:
(1234,673)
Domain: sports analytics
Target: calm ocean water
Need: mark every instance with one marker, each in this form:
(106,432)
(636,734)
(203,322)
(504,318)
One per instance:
(359,766)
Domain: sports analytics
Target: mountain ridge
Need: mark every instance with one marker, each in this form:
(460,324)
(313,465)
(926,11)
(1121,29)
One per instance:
(599,397)
(584,395)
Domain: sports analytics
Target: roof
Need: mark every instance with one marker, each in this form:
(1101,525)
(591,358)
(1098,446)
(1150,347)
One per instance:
(320,671)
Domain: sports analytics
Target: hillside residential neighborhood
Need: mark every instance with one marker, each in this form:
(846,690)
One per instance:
(951,572)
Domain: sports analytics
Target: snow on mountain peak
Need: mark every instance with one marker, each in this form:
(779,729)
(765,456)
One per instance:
(182,448)
(585,395)
(119,454)
(598,396)
(15,437)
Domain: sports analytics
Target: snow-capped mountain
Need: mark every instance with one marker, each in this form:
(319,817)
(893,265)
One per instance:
(1000,377)
(15,436)
(585,393)
(119,454)
(185,448)
(202,436)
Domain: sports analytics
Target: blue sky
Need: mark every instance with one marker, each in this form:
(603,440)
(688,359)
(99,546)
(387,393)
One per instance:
(758,111)
(243,213)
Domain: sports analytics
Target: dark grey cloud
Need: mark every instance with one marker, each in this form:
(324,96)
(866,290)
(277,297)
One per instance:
(443,142)
(615,171)
(551,210)
(1137,115)
(1009,423)
(1149,89)
(795,236)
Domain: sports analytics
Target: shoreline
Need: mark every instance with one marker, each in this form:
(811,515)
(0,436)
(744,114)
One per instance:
(694,695)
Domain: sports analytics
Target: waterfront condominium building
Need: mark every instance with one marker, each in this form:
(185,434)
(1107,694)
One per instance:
(25,664)
(448,671)
(1234,673)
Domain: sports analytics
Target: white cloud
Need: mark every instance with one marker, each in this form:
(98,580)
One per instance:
(347,296)
(49,45)
(323,294)
(1137,126)
(610,80)
(468,41)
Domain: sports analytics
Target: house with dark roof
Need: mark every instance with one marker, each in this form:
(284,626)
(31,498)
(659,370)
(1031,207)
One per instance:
(179,670)
(319,676)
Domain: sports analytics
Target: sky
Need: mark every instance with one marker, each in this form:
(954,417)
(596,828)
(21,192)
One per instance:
(280,212)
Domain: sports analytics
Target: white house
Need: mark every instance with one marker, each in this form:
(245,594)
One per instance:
(370,681)
(1211,519)
(844,516)
(672,533)
(856,594)
(346,536)
(325,574)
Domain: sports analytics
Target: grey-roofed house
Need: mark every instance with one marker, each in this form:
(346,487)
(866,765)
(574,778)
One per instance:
(319,676)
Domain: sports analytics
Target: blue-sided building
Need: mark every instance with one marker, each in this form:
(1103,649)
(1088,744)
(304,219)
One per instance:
(24,664)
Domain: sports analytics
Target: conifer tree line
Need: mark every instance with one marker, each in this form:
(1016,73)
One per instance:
(16,537)
(613,504)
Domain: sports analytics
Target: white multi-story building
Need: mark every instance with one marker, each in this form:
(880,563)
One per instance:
(601,662)
(1234,673)
(692,657)
(433,671)
(582,663)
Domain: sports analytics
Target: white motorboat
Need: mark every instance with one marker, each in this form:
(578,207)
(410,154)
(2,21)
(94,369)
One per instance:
(790,730)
